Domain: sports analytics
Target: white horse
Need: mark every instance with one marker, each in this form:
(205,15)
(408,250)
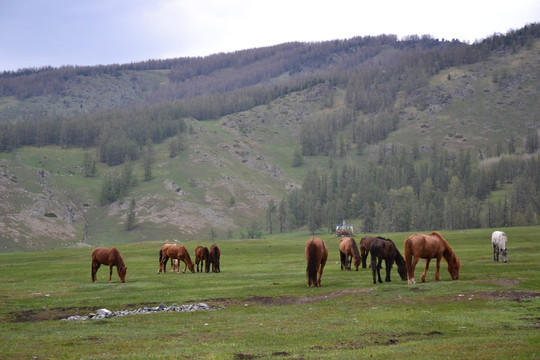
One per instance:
(498,240)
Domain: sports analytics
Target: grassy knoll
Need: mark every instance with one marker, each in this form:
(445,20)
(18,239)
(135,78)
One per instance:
(264,309)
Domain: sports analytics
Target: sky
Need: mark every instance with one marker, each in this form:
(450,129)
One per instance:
(37,33)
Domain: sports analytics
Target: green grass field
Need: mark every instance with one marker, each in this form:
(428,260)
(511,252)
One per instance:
(265,310)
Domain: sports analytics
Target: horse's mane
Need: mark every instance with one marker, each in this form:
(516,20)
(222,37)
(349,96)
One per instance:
(399,258)
(355,249)
(119,260)
(450,253)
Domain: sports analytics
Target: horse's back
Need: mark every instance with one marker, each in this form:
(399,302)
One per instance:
(344,244)
(498,238)
(366,241)
(315,245)
(102,255)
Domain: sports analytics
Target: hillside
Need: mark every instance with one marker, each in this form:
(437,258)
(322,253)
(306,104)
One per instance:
(230,164)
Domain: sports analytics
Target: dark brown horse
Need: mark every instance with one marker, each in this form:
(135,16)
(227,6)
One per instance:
(202,256)
(385,249)
(348,250)
(422,246)
(111,257)
(180,253)
(163,258)
(215,254)
(316,256)
(365,244)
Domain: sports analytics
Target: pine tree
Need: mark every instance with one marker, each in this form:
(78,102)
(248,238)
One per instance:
(131,217)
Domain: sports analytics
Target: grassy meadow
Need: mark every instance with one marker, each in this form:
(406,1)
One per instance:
(264,309)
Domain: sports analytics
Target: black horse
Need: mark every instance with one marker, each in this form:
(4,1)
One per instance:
(385,249)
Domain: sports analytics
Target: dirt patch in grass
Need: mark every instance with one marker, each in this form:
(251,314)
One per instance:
(505,282)
(45,314)
(518,296)
(290,300)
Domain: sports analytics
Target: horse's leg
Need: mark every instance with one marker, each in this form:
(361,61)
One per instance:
(110,272)
(379,266)
(496,253)
(163,264)
(437,275)
(185,266)
(388,268)
(321,268)
(425,270)
(95,267)
(411,280)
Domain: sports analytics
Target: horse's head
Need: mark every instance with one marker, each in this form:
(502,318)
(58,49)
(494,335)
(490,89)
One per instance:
(453,268)
(504,252)
(191,267)
(402,271)
(357,262)
(122,273)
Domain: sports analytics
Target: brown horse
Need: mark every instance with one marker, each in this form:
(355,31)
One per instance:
(163,258)
(365,244)
(215,254)
(348,250)
(111,257)
(202,256)
(178,252)
(316,256)
(385,249)
(422,246)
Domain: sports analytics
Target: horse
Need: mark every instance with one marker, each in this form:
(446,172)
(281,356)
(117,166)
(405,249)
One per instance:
(202,256)
(385,249)
(365,244)
(111,257)
(163,259)
(423,246)
(215,254)
(498,240)
(316,256)
(177,252)
(348,250)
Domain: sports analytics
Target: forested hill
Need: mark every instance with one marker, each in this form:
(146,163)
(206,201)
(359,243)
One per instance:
(393,134)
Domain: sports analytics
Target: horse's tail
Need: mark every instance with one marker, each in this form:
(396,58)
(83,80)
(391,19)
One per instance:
(355,249)
(408,255)
(160,255)
(374,251)
(312,263)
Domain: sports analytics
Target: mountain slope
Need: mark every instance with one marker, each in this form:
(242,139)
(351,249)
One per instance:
(230,168)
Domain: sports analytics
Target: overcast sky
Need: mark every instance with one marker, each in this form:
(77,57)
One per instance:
(36,33)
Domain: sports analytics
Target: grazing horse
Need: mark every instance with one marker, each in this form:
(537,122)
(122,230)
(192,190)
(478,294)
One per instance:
(215,254)
(202,256)
(385,249)
(348,250)
(498,240)
(365,244)
(163,259)
(316,256)
(423,246)
(178,252)
(111,257)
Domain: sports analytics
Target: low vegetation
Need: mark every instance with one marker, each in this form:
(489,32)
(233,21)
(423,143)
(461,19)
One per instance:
(264,309)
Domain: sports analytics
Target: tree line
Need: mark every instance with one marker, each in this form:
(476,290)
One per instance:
(412,190)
